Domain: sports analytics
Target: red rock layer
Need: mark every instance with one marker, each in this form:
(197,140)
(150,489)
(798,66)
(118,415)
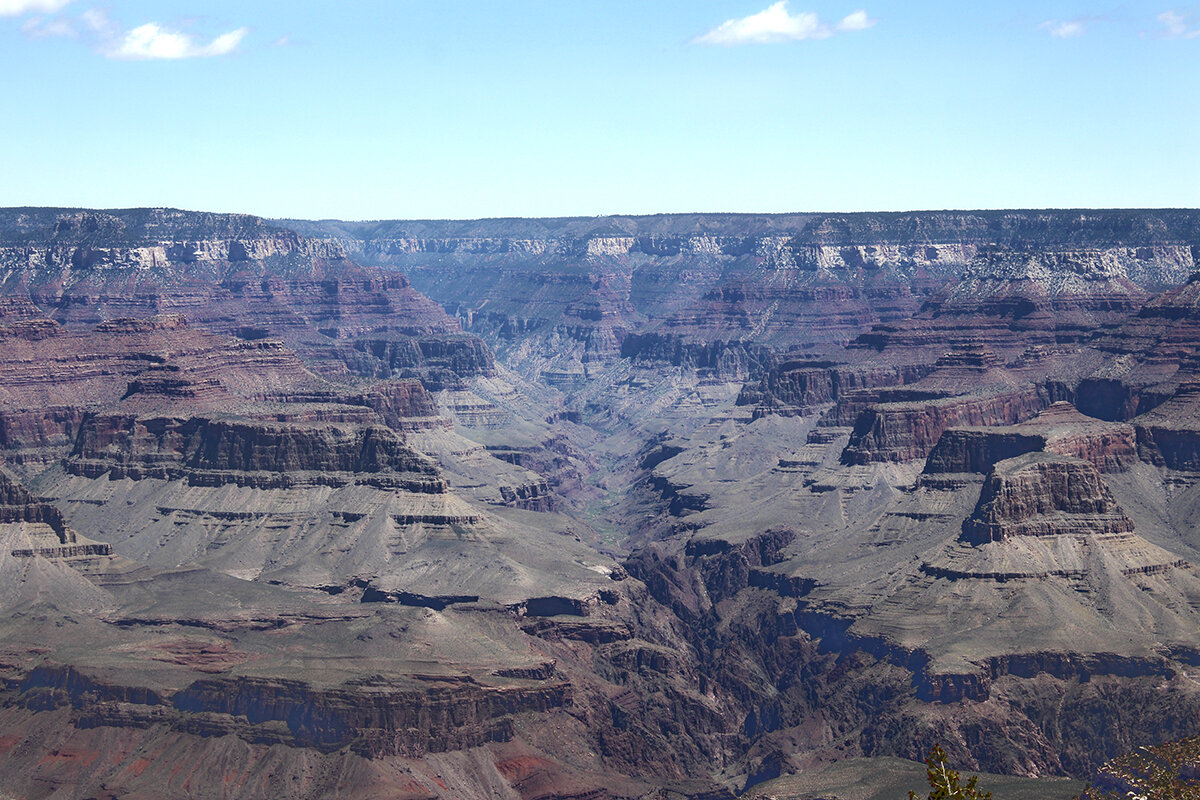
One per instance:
(1032,497)
(230,275)
(796,388)
(213,452)
(1109,447)
(908,431)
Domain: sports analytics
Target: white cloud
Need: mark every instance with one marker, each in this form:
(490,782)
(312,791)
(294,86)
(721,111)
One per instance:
(1066,28)
(11,8)
(858,21)
(777,24)
(1177,26)
(153,41)
(112,40)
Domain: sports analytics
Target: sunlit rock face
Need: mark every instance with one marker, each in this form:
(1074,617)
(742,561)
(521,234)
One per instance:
(235,275)
(632,507)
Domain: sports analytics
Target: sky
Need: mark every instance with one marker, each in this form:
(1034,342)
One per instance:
(384,109)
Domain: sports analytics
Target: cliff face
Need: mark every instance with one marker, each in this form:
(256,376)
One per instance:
(1109,447)
(372,720)
(736,278)
(54,377)
(733,496)
(1028,496)
(907,431)
(796,388)
(218,451)
(229,274)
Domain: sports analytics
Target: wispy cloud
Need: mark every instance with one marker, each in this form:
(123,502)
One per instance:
(40,28)
(777,24)
(103,28)
(153,41)
(13,8)
(146,42)
(1067,28)
(1178,26)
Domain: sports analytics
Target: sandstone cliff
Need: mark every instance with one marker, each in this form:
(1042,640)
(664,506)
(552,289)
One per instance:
(230,274)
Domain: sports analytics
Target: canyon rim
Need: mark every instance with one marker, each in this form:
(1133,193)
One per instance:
(675,506)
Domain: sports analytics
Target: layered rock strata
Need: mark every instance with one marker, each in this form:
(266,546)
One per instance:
(233,275)
(904,431)
(329,541)
(1169,435)
(1044,495)
(42,524)
(246,452)
(1109,447)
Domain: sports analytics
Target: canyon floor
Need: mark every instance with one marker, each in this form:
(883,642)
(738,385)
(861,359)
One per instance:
(688,506)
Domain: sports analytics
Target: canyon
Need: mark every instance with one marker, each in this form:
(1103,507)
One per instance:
(683,506)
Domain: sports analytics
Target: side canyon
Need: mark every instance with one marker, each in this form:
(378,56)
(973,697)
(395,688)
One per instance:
(684,506)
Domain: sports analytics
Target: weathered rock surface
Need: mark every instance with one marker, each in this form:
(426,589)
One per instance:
(1044,495)
(736,496)
(234,275)
(904,431)
(799,387)
(562,299)
(1109,447)
(247,452)
(38,529)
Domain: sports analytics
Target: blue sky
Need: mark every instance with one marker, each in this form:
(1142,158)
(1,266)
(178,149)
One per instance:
(366,109)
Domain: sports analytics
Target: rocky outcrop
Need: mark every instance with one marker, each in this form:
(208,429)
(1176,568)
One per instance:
(402,405)
(233,275)
(1169,435)
(40,528)
(1046,516)
(51,379)
(907,431)
(894,697)
(850,406)
(727,567)
(442,362)
(1012,299)
(1044,495)
(980,449)
(1170,769)
(1115,400)
(530,496)
(1109,447)
(18,505)
(1151,356)
(373,718)
(248,452)
(736,360)
(799,387)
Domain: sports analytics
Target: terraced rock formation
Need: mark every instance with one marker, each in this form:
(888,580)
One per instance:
(197,494)
(736,498)
(230,274)
(1059,429)
(678,288)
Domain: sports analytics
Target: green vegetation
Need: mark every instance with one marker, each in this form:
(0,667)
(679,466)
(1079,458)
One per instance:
(944,782)
(1164,772)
